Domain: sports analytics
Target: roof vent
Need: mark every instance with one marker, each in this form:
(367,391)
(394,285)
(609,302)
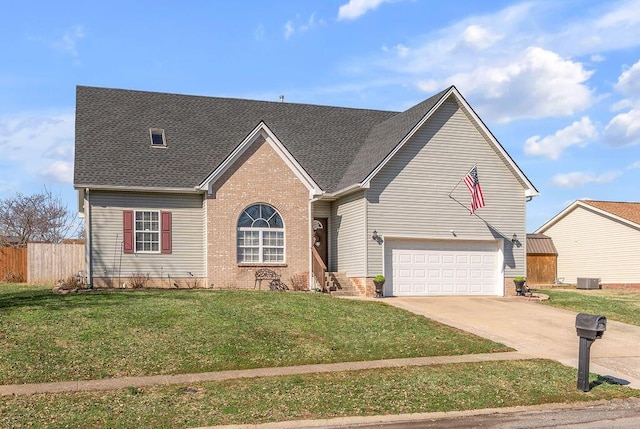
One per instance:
(157,137)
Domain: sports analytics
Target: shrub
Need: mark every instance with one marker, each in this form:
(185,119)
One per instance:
(72,282)
(139,280)
(378,278)
(11,277)
(299,281)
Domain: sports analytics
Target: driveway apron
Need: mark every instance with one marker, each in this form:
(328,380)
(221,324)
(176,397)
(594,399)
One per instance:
(536,330)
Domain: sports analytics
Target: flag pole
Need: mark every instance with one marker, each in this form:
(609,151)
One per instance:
(460,181)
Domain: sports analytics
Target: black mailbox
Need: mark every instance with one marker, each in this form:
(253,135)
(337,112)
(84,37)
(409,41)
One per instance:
(590,326)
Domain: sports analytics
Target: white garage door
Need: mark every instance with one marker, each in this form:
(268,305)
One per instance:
(420,267)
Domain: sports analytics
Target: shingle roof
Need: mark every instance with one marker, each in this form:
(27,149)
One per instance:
(337,146)
(540,244)
(628,211)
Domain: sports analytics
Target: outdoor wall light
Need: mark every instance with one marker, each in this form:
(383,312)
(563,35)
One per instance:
(375,235)
(514,238)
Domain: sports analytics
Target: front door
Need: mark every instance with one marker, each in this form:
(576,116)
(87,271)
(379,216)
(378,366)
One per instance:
(320,238)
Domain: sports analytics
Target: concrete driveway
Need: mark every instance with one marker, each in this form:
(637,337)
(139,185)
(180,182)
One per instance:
(536,330)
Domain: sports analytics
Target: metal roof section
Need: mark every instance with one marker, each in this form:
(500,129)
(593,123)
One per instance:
(540,244)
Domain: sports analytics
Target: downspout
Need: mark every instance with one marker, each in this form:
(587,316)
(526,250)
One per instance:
(366,237)
(88,236)
(309,245)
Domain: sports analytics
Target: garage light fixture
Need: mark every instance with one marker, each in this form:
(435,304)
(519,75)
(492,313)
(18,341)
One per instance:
(514,239)
(375,235)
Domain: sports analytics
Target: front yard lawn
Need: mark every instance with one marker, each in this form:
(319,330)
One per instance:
(615,305)
(48,337)
(314,396)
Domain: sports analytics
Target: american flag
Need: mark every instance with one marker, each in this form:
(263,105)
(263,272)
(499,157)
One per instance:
(471,180)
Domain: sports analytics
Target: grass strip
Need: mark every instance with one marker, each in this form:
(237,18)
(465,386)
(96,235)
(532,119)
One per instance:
(356,393)
(615,305)
(45,337)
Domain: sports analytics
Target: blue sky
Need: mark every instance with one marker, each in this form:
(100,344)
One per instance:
(558,83)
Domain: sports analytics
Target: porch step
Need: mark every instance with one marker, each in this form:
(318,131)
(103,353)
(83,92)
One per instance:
(338,284)
(345,293)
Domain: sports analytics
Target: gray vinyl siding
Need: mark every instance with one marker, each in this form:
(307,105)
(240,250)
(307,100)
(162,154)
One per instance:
(347,225)
(590,244)
(188,250)
(322,209)
(409,197)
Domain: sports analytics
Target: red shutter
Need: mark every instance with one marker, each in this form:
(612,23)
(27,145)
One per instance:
(127,222)
(165,227)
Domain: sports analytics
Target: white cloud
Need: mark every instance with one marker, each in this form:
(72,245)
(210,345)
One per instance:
(259,33)
(621,105)
(57,172)
(629,81)
(428,86)
(576,179)
(31,141)
(479,37)
(577,134)
(634,165)
(623,129)
(537,83)
(290,27)
(8,186)
(68,42)
(356,8)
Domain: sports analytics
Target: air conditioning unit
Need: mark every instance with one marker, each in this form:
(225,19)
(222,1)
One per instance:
(588,283)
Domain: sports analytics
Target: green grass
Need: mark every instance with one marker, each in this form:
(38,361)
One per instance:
(47,337)
(269,399)
(615,305)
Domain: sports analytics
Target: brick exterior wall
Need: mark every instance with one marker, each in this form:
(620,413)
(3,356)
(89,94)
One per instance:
(364,285)
(510,287)
(258,176)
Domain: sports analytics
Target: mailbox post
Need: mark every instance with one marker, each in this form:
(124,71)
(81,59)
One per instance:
(589,327)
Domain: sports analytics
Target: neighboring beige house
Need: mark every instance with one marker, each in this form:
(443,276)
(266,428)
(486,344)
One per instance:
(597,239)
(208,190)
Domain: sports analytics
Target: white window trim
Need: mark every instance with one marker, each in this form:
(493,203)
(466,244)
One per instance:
(158,232)
(261,245)
(153,131)
(261,230)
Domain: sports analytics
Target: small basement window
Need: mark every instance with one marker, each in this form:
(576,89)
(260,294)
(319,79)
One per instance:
(157,137)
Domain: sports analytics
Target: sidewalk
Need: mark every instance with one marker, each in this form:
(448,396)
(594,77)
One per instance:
(119,383)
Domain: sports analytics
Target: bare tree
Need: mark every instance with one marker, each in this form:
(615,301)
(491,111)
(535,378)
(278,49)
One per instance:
(37,217)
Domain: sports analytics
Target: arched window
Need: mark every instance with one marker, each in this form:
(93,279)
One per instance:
(260,235)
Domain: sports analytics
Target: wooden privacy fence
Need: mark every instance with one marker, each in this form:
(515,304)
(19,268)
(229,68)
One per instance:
(48,263)
(13,264)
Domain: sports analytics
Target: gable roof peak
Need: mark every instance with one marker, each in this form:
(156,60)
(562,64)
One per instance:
(626,210)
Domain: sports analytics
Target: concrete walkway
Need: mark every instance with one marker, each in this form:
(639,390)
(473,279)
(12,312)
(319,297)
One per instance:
(536,330)
(119,383)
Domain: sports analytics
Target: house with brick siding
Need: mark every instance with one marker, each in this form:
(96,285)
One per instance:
(191,191)
(597,239)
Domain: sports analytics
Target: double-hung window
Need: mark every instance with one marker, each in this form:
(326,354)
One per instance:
(260,235)
(147,231)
